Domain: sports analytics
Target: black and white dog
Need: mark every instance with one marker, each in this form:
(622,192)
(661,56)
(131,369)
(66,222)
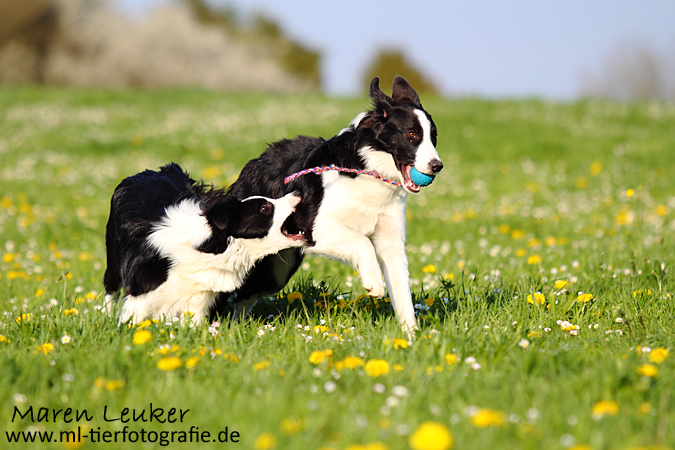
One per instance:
(173,244)
(351,217)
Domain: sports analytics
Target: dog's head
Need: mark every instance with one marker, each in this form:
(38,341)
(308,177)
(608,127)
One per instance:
(259,220)
(402,135)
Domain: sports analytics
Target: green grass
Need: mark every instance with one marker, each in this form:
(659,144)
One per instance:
(532,193)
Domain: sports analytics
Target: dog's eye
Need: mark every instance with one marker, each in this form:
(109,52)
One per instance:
(412,134)
(266,209)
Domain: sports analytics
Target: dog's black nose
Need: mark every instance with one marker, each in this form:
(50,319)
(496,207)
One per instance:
(436,165)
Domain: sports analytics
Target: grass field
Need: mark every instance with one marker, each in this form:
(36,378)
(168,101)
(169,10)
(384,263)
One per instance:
(541,262)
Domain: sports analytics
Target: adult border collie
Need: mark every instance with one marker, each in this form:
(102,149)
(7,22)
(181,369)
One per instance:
(173,243)
(354,218)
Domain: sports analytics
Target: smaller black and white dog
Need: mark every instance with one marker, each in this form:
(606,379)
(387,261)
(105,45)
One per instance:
(173,243)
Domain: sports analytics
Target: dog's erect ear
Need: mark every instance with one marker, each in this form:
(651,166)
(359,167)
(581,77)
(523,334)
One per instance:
(381,100)
(402,91)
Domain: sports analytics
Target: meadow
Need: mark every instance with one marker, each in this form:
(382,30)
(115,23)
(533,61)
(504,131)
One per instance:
(541,261)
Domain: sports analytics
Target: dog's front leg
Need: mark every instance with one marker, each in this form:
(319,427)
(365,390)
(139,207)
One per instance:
(344,244)
(389,241)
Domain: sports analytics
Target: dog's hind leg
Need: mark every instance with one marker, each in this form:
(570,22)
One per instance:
(242,308)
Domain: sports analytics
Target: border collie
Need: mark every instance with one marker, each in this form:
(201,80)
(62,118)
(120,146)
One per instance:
(173,243)
(350,217)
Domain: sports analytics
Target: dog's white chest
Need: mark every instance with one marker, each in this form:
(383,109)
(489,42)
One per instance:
(357,203)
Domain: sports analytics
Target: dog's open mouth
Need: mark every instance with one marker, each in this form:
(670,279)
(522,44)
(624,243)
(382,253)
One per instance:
(407,181)
(291,230)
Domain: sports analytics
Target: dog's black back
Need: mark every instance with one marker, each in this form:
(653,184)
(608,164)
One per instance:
(137,204)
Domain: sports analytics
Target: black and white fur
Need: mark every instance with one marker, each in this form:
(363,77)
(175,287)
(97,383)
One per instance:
(354,218)
(173,244)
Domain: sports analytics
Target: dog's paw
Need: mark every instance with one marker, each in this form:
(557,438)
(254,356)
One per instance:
(375,289)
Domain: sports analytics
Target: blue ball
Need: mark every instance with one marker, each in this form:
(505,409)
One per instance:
(421,179)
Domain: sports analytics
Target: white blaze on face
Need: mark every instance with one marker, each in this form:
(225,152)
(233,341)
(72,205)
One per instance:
(426,152)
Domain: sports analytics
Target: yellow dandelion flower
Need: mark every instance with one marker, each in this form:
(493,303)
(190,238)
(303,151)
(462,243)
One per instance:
(451,358)
(517,234)
(534,242)
(352,362)
(85,256)
(630,193)
(449,276)
(661,210)
(71,312)
(584,298)
(551,241)
(534,259)
(148,322)
(486,417)
(431,436)
(111,385)
(400,343)
(141,337)
(45,348)
(398,368)
(429,269)
(231,357)
(320,329)
(642,293)
(377,367)
(75,444)
(265,441)
(191,362)
(658,355)
(537,297)
(169,363)
(99,382)
(3,338)
(264,364)
(648,370)
(559,284)
(320,355)
(595,168)
(504,229)
(40,292)
(429,301)
(520,253)
(137,139)
(8,257)
(294,296)
(23,318)
(291,426)
(604,408)
(533,334)
(645,408)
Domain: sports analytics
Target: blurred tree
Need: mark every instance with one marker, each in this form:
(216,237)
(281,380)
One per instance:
(631,71)
(391,62)
(292,56)
(34,23)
